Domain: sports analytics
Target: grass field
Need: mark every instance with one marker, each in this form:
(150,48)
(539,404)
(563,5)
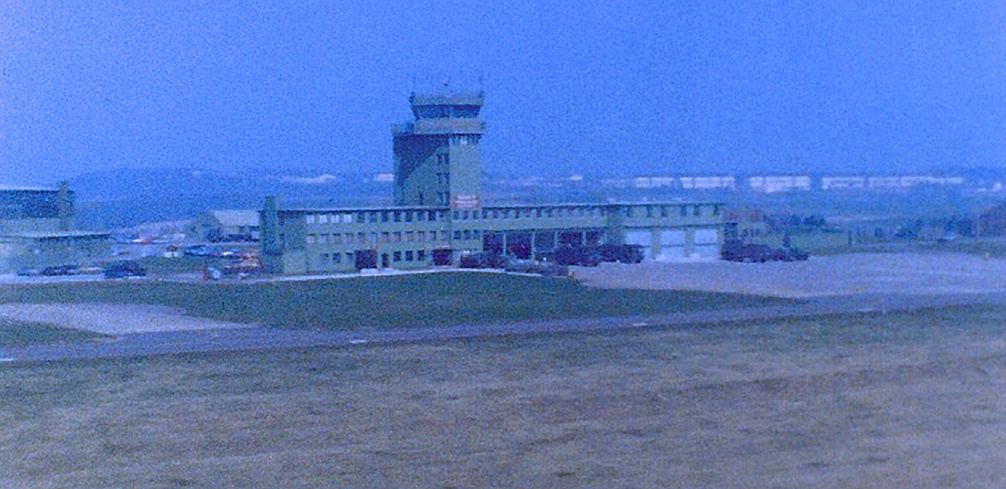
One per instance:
(387,302)
(18,333)
(900,400)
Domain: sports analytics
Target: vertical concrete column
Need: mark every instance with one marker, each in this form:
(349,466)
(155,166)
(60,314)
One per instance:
(272,248)
(64,208)
(270,228)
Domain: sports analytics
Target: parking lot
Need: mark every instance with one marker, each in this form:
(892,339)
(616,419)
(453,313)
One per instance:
(905,273)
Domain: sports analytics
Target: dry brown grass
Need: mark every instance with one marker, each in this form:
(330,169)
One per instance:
(863,401)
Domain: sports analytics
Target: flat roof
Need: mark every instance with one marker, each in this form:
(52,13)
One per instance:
(303,210)
(236,217)
(14,188)
(59,234)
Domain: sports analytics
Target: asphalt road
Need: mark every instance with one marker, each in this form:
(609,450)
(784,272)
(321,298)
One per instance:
(144,344)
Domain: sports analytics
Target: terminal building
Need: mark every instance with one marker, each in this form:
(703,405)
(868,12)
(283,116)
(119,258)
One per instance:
(439,215)
(37,229)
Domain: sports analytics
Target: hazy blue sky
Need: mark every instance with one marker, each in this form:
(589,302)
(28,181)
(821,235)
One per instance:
(636,87)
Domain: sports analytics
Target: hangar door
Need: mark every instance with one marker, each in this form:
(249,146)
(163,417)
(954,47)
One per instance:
(705,243)
(672,245)
(641,237)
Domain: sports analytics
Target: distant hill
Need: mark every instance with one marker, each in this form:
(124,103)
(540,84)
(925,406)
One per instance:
(124,198)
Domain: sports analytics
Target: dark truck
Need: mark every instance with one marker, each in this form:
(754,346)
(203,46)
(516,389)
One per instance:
(789,254)
(586,256)
(483,259)
(125,269)
(591,256)
(746,252)
(759,253)
(628,253)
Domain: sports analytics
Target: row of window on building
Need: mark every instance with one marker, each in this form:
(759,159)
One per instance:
(393,237)
(374,238)
(336,259)
(499,213)
(664,211)
(375,216)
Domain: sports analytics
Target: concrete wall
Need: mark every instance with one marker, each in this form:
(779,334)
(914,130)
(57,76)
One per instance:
(20,252)
(416,169)
(465,167)
(22,226)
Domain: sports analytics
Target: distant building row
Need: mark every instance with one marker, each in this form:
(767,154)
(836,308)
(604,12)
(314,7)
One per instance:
(783,183)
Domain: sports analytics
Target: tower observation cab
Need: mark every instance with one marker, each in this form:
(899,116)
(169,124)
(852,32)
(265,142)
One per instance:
(437,156)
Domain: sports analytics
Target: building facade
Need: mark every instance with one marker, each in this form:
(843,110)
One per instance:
(439,214)
(37,229)
(225,225)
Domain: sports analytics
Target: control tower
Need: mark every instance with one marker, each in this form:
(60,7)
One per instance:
(437,159)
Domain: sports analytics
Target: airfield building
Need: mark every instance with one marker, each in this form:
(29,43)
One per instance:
(37,229)
(439,213)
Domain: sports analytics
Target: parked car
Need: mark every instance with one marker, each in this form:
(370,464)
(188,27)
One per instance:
(632,253)
(59,270)
(746,252)
(201,250)
(789,254)
(580,255)
(520,266)
(548,269)
(483,259)
(125,269)
(609,252)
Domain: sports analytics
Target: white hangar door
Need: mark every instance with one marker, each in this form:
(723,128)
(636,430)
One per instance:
(641,237)
(706,243)
(672,245)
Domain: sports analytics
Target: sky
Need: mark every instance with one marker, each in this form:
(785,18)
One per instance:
(594,88)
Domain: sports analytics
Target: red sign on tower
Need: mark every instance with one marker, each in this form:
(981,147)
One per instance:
(465,202)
